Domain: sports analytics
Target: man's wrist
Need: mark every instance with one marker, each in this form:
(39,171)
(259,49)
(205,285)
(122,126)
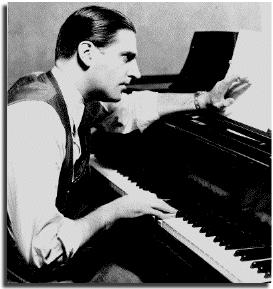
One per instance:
(201,99)
(100,219)
(108,214)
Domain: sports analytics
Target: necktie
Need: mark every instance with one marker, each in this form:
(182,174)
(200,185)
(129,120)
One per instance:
(74,130)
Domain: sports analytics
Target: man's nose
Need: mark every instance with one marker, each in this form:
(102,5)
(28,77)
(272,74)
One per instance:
(134,70)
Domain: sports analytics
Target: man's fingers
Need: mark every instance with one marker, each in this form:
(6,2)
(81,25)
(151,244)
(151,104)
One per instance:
(163,206)
(229,87)
(228,102)
(224,103)
(236,85)
(162,215)
(225,84)
(234,79)
(147,194)
(238,90)
(229,82)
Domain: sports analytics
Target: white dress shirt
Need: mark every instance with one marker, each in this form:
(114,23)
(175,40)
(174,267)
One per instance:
(134,111)
(35,152)
(36,143)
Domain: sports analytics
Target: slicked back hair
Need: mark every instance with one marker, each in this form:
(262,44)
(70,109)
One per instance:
(93,23)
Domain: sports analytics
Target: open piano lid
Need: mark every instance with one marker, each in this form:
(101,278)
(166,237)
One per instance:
(207,61)
(216,54)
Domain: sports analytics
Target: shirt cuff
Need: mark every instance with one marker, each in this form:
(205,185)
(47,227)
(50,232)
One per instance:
(145,108)
(56,242)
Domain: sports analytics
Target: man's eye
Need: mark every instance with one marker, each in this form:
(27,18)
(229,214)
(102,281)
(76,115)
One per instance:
(126,58)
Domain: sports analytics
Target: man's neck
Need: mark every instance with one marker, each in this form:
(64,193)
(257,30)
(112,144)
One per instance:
(72,72)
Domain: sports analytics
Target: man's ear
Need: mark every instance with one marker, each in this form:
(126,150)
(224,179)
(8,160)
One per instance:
(86,53)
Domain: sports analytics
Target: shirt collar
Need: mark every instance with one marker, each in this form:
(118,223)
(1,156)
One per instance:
(72,96)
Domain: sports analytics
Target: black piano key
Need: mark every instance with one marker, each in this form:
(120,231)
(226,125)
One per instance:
(236,231)
(210,224)
(214,231)
(254,254)
(231,235)
(242,243)
(252,239)
(262,266)
(238,252)
(179,214)
(238,243)
(187,213)
(236,237)
(238,246)
(220,230)
(200,221)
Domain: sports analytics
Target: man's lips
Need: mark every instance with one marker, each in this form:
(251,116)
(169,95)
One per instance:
(123,85)
(126,81)
(123,88)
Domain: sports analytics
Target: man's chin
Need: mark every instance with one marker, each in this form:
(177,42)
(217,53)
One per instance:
(114,97)
(100,95)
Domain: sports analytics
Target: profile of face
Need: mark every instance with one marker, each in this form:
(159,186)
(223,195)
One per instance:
(114,66)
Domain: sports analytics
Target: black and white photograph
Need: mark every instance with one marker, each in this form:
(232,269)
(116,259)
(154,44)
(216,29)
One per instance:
(138,143)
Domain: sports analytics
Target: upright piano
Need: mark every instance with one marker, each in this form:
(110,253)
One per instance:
(217,173)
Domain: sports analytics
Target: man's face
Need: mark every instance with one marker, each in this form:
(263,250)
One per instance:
(115,66)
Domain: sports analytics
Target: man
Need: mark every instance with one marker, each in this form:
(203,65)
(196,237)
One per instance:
(95,60)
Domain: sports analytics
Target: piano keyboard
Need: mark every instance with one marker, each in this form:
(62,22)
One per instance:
(223,260)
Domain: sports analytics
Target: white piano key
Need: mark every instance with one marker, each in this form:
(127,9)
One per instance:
(224,261)
(124,185)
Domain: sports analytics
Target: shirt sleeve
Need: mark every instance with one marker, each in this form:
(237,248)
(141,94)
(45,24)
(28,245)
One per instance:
(134,111)
(35,152)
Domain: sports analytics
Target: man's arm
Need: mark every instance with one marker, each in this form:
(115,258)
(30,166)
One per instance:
(173,102)
(222,95)
(36,149)
(140,108)
(129,206)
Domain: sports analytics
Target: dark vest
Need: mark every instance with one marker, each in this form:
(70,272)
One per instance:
(71,200)
(44,87)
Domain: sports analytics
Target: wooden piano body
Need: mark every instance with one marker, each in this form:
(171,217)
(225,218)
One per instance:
(218,178)
(216,171)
